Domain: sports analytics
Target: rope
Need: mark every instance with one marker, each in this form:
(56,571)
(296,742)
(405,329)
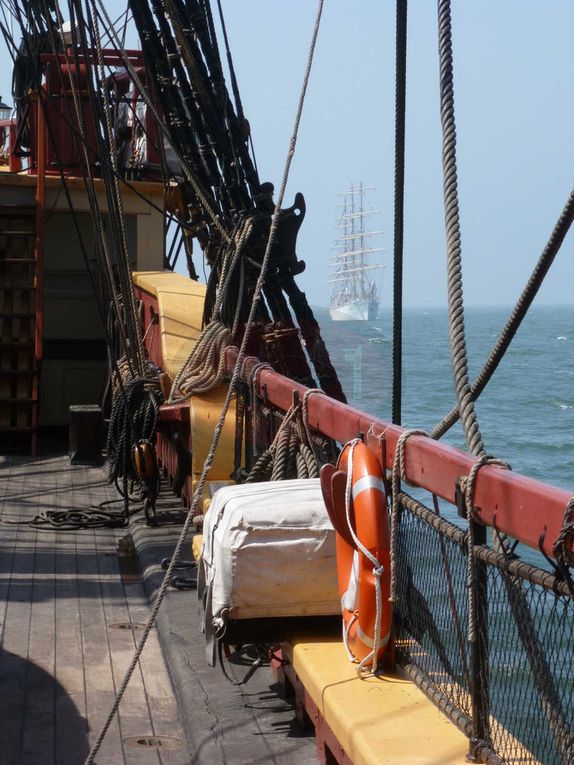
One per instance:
(378,571)
(469,487)
(398,475)
(305,411)
(253,381)
(220,423)
(398,225)
(562,548)
(288,456)
(205,369)
(519,312)
(453,237)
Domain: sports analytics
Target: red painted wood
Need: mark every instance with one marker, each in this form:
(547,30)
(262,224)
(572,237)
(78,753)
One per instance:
(152,333)
(526,509)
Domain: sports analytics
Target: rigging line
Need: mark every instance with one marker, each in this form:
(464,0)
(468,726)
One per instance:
(118,202)
(89,183)
(102,124)
(230,392)
(68,195)
(126,22)
(453,236)
(518,313)
(211,93)
(11,47)
(235,85)
(398,226)
(233,120)
(216,219)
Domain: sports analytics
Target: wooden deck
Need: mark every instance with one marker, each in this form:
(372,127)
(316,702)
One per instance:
(61,658)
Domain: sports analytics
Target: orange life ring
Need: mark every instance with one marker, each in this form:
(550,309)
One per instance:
(357,572)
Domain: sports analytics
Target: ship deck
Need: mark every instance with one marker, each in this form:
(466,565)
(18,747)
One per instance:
(63,598)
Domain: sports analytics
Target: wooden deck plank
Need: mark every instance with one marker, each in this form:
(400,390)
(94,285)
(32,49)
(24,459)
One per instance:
(60,663)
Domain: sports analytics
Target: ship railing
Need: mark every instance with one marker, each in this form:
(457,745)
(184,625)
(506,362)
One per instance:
(486,630)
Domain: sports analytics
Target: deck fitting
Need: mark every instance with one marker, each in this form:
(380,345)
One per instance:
(127,626)
(154,742)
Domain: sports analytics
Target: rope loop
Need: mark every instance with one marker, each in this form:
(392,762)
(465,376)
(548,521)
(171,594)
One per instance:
(305,412)
(468,486)
(399,473)
(562,548)
(371,660)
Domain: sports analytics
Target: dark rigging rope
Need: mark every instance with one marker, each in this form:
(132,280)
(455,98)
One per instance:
(519,312)
(398,226)
(464,395)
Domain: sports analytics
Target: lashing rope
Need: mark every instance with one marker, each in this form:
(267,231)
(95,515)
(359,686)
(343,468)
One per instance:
(468,485)
(398,474)
(378,571)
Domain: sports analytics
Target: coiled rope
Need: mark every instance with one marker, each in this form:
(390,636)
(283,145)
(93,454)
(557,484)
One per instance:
(204,369)
(290,455)
(464,395)
(220,423)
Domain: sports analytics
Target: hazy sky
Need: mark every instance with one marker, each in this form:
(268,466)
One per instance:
(514,67)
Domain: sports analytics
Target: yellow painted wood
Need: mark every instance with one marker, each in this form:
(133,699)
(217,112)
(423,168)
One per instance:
(204,412)
(197,546)
(383,720)
(180,305)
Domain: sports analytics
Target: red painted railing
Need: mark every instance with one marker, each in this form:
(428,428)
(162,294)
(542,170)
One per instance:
(526,509)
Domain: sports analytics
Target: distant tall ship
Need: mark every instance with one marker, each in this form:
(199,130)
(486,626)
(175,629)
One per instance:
(354,293)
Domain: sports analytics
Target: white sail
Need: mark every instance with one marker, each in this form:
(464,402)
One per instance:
(354,289)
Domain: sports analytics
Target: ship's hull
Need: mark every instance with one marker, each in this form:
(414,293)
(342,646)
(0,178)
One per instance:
(358,310)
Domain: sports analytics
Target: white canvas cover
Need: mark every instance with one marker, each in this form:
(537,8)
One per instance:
(269,551)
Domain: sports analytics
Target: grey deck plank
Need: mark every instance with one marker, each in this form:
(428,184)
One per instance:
(59,663)
(59,593)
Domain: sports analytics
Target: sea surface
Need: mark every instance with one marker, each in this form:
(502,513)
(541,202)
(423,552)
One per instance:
(526,413)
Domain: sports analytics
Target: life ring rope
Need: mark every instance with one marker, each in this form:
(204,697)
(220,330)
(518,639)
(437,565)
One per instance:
(352,491)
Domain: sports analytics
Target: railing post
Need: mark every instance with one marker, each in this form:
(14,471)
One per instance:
(479,648)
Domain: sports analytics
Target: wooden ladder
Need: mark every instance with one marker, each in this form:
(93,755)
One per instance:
(19,362)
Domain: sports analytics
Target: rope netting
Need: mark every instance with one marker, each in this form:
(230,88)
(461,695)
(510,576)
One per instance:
(522,660)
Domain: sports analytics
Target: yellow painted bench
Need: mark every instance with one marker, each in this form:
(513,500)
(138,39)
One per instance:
(383,720)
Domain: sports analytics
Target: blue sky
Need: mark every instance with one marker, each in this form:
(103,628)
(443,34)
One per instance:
(514,67)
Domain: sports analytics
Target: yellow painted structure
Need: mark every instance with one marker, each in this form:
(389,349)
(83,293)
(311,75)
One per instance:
(383,720)
(204,412)
(197,546)
(180,306)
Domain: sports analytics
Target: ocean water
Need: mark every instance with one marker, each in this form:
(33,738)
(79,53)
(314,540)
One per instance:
(526,413)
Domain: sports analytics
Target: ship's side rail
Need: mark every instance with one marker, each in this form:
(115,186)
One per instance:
(486,634)
(489,642)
